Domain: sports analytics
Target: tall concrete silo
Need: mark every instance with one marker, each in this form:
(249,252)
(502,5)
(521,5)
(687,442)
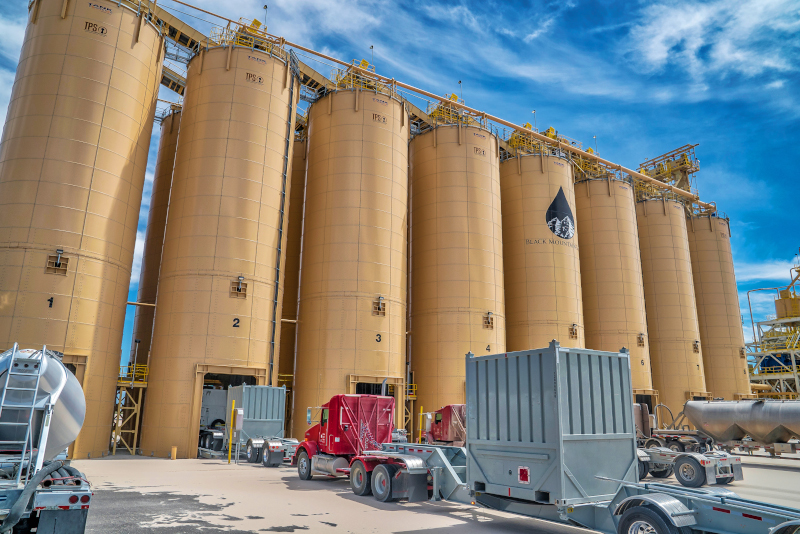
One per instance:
(611,272)
(154,237)
(352,310)
(540,250)
(72,166)
(674,334)
(718,314)
(457,302)
(291,284)
(220,290)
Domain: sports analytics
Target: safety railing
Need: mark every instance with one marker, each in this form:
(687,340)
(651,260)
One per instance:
(133,374)
(411,391)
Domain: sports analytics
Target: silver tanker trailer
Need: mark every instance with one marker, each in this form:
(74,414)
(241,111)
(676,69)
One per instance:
(42,408)
(772,425)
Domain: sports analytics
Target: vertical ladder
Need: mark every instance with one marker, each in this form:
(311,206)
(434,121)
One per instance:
(20,387)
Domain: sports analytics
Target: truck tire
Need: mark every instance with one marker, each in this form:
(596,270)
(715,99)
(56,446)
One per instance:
(724,481)
(676,446)
(644,467)
(303,465)
(689,472)
(252,453)
(360,479)
(642,520)
(382,477)
(654,442)
(662,473)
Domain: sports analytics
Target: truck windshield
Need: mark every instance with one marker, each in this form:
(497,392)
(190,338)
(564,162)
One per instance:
(324,416)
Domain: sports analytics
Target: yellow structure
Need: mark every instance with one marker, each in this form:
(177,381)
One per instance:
(611,273)
(72,166)
(352,307)
(154,236)
(675,352)
(457,301)
(131,384)
(220,291)
(540,252)
(718,314)
(291,278)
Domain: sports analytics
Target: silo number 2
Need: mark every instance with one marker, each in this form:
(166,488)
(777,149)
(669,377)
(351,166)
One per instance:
(236,322)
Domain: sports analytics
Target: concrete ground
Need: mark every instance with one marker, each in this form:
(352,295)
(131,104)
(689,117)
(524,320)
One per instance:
(134,495)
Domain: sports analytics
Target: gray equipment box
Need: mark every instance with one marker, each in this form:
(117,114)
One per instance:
(543,424)
(264,408)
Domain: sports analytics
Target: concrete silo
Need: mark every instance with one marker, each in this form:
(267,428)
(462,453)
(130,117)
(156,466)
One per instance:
(718,314)
(72,166)
(220,290)
(540,248)
(352,309)
(457,301)
(291,284)
(611,270)
(154,236)
(674,335)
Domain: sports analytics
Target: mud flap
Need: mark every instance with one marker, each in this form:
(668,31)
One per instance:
(62,522)
(411,487)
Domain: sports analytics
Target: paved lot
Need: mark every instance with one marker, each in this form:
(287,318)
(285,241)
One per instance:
(137,495)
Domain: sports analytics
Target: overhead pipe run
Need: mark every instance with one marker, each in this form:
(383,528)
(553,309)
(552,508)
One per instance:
(593,157)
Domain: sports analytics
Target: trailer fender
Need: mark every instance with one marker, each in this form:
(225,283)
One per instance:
(642,455)
(671,508)
(310,448)
(370,462)
(789,527)
(709,464)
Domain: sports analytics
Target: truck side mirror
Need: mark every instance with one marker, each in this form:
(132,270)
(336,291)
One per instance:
(308,416)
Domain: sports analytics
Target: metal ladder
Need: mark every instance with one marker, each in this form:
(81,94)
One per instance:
(22,372)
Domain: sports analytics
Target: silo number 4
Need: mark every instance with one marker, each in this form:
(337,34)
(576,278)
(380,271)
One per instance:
(488,348)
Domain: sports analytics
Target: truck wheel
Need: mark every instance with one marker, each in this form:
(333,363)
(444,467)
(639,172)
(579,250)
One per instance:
(724,481)
(653,443)
(382,482)
(360,479)
(689,472)
(641,520)
(644,467)
(676,446)
(251,452)
(663,473)
(303,465)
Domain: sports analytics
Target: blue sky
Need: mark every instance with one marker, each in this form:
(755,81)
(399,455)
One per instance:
(644,77)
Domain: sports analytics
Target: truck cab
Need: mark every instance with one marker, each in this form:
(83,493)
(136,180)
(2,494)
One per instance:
(343,428)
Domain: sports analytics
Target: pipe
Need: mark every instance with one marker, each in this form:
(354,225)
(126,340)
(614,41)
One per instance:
(281,41)
(18,508)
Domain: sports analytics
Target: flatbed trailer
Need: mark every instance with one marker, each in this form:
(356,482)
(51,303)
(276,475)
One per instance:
(691,469)
(552,451)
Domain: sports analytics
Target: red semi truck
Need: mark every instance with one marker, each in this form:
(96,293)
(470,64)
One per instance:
(346,426)
(447,426)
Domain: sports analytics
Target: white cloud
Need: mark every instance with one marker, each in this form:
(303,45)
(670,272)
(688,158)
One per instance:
(138,252)
(12,32)
(775,271)
(719,37)
(777,84)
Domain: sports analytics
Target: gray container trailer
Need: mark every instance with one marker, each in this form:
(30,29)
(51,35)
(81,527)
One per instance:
(542,425)
(264,410)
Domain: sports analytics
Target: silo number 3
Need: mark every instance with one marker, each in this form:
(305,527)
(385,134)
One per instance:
(378,338)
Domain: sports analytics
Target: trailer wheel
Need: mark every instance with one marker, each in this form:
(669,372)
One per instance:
(360,479)
(689,472)
(382,482)
(644,467)
(642,520)
(662,473)
(676,446)
(303,465)
(252,453)
(724,481)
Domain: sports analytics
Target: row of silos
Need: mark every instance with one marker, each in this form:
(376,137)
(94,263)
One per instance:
(241,213)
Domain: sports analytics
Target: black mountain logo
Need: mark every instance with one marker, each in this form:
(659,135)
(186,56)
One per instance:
(559,216)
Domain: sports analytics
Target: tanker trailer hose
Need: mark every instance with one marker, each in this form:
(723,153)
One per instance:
(15,514)
(77,475)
